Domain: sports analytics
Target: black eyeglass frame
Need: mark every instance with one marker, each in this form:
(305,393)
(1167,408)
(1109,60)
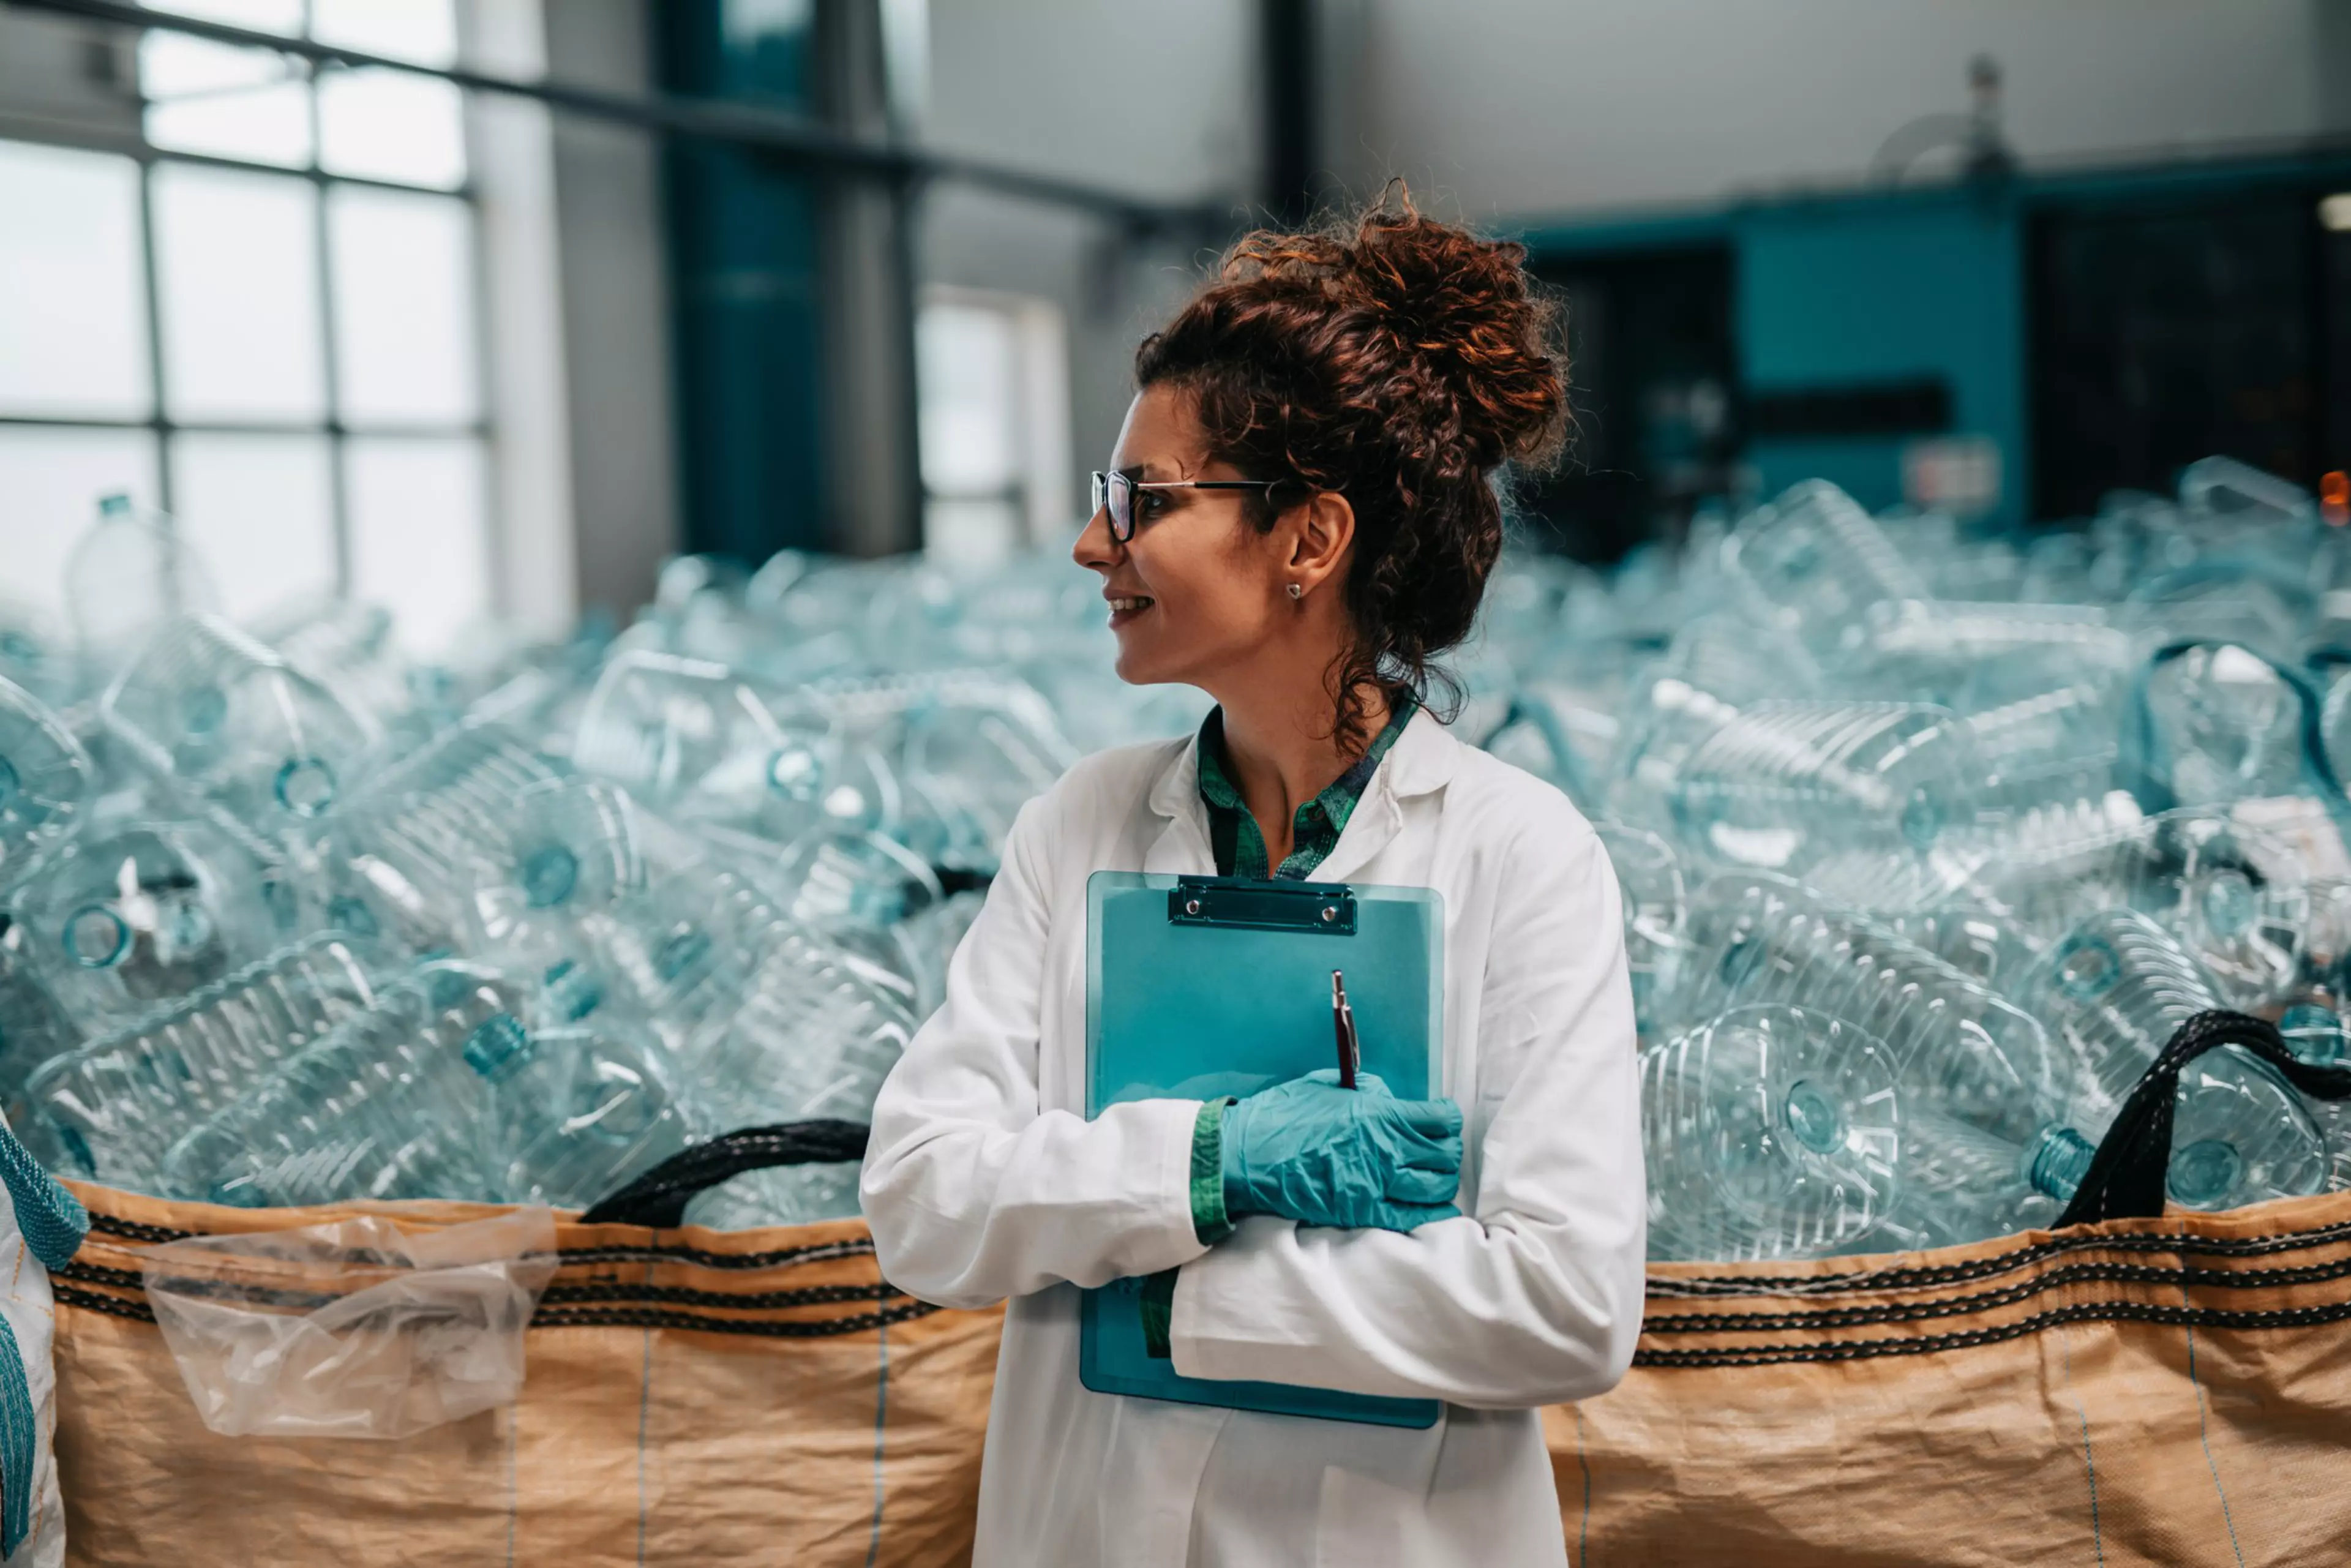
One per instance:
(1109,486)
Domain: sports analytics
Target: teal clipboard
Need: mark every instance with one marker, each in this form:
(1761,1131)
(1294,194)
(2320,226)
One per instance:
(1199,986)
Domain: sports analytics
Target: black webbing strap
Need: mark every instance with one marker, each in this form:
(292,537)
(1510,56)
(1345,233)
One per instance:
(659,1197)
(2126,1178)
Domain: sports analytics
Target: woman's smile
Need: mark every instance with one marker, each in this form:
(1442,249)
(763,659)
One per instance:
(1125,607)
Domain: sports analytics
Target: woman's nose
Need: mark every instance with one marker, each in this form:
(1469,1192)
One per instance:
(1095,548)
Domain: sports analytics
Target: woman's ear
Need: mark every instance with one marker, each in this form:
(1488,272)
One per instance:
(1325,528)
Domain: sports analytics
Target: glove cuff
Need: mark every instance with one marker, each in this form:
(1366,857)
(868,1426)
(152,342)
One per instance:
(1211,1220)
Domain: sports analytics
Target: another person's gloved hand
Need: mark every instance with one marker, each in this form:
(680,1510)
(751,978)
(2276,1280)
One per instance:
(1310,1151)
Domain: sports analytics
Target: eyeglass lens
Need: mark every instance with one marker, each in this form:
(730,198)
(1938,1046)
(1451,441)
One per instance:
(1115,494)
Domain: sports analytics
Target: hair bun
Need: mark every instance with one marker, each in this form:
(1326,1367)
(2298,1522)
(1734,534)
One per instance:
(1462,304)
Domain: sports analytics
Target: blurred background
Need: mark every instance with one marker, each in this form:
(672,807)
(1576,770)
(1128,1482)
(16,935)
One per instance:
(484,308)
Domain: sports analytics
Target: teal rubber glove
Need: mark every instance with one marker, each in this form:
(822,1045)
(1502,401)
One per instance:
(1353,1158)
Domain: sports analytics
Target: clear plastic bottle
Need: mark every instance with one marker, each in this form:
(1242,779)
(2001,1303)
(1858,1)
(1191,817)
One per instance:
(2335,717)
(34,1030)
(1983,1086)
(228,721)
(1971,940)
(401,1101)
(2314,1032)
(351,648)
(484,847)
(590,1108)
(1715,664)
(1972,657)
(125,919)
(1785,784)
(1755,938)
(2221,722)
(1649,879)
(2238,898)
(1771,1131)
(693,738)
(973,762)
(844,878)
(45,779)
(566,850)
(2050,749)
(814,1038)
(109,1110)
(129,571)
(478,767)
(1818,560)
(2116,988)
(684,947)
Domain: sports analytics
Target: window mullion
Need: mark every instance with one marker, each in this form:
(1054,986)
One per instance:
(338,467)
(158,412)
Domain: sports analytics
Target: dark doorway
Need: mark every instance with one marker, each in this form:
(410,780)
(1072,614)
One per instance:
(2165,332)
(1654,371)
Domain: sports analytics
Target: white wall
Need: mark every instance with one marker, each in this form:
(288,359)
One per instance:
(1527,108)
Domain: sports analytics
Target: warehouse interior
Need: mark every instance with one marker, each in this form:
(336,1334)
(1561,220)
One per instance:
(660,875)
(866,277)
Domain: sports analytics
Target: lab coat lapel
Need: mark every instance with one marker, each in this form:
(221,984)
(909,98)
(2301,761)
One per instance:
(1421,760)
(1181,843)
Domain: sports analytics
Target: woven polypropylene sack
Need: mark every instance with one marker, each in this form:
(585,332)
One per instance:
(2165,1392)
(689,1396)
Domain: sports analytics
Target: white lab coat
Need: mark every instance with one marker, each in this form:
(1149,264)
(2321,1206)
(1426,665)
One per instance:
(984,1180)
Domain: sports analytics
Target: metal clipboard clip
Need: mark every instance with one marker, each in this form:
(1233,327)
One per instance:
(1327,907)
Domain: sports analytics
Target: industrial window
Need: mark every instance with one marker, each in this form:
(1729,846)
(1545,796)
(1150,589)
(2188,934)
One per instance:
(262,319)
(994,398)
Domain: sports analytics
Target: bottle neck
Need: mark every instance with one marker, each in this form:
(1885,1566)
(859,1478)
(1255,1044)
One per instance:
(2057,1161)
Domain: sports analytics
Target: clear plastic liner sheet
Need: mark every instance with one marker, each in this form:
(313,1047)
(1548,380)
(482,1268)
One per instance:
(354,1329)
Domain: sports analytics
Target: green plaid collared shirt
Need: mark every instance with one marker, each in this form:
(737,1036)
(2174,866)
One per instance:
(1314,830)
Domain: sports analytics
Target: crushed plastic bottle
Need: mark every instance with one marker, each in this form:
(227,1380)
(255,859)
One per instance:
(45,778)
(108,1111)
(2236,897)
(1783,784)
(133,917)
(2116,988)
(1771,1131)
(206,708)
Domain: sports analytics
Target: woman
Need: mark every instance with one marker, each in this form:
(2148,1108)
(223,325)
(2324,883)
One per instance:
(1300,516)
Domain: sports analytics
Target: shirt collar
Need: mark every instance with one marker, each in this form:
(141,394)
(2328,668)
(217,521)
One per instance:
(1338,799)
(1421,759)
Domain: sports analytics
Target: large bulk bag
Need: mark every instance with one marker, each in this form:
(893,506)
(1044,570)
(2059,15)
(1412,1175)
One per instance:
(691,1396)
(2125,1390)
(2136,1388)
(2164,1392)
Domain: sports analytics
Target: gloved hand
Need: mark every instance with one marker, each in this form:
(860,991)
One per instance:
(1310,1151)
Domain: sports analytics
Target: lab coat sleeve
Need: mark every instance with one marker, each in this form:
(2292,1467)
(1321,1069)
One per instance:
(1534,1297)
(973,1191)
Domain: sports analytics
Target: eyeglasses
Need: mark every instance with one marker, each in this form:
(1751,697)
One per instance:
(1114,493)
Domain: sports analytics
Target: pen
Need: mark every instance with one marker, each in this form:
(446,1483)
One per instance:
(1343,1025)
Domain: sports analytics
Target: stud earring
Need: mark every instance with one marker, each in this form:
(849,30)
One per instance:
(1296,591)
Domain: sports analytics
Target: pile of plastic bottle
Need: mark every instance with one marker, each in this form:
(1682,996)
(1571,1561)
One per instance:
(1929,839)
(287,917)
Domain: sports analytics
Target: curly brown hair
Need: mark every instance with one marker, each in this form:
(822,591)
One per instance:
(1398,361)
